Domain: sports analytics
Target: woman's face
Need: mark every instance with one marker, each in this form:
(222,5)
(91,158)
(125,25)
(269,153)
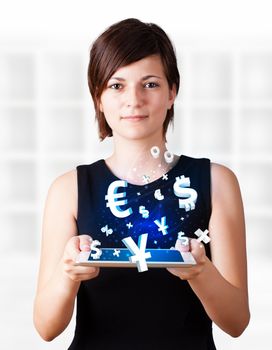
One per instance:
(136,99)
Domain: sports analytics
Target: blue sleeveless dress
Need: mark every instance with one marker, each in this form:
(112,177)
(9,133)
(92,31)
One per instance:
(129,310)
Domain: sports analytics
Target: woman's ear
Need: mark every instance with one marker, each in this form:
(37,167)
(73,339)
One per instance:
(172,96)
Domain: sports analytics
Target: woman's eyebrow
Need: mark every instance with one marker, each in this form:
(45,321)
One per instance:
(151,76)
(143,78)
(117,78)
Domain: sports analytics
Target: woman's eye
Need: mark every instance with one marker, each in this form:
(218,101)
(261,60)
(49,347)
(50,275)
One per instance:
(151,85)
(115,86)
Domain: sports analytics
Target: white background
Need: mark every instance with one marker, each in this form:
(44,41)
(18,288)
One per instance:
(223,112)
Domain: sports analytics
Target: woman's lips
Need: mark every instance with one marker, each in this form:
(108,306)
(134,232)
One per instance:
(134,117)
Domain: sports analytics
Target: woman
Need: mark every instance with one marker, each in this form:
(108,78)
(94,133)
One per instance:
(134,79)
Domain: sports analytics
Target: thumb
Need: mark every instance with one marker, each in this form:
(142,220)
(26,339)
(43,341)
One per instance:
(182,244)
(72,248)
(198,250)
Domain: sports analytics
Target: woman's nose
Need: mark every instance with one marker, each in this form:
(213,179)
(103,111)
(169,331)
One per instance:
(134,97)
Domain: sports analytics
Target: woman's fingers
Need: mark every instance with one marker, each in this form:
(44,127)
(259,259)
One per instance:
(198,251)
(72,249)
(74,246)
(85,243)
(183,244)
(80,273)
(77,244)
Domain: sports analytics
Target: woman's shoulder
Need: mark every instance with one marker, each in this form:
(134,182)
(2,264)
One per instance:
(65,180)
(219,170)
(69,180)
(64,187)
(223,179)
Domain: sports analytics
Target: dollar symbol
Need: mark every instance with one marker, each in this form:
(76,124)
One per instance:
(114,201)
(144,212)
(181,190)
(98,252)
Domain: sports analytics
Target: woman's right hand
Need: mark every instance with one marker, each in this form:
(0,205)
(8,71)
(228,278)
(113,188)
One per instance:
(74,246)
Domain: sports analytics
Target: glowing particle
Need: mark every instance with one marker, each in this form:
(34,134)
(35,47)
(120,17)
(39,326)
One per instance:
(168,156)
(155,151)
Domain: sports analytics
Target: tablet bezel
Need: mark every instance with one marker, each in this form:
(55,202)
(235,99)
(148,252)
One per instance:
(82,260)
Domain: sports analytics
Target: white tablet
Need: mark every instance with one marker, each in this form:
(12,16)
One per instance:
(120,257)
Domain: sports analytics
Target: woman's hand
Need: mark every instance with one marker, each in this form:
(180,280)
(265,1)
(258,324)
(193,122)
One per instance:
(73,247)
(198,251)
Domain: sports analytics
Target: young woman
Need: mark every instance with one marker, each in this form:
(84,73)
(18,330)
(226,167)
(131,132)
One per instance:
(134,79)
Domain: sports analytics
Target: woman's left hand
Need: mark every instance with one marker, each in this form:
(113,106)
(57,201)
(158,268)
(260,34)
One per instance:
(198,251)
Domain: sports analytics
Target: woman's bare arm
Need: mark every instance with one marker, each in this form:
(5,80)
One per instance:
(221,284)
(59,280)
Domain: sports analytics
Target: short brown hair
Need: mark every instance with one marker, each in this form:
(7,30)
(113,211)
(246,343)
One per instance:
(123,43)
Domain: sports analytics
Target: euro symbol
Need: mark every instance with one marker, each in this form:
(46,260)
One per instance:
(113,199)
(158,195)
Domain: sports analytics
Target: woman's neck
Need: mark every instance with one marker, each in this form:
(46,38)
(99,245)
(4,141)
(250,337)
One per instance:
(132,160)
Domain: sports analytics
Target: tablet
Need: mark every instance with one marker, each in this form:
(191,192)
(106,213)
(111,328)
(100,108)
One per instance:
(120,257)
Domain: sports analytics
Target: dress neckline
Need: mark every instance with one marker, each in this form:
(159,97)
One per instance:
(151,183)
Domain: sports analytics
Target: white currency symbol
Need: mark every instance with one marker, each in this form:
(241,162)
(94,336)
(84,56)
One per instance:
(98,251)
(139,251)
(202,235)
(162,225)
(107,230)
(158,195)
(113,199)
(116,252)
(184,240)
(181,190)
(146,179)
(143,211)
